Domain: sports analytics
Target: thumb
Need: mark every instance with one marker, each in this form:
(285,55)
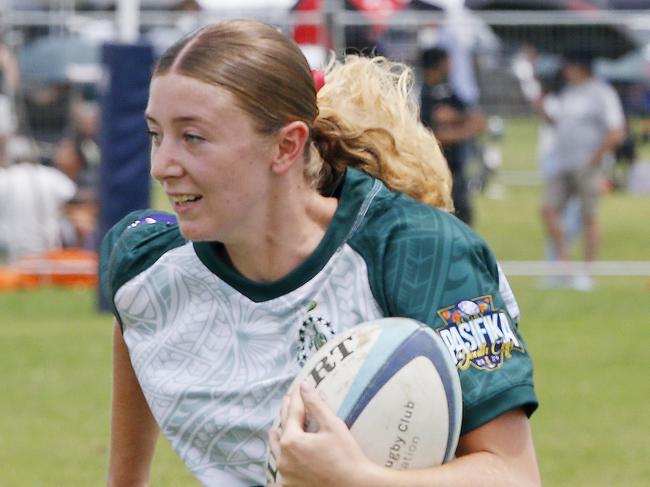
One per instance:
(316,408)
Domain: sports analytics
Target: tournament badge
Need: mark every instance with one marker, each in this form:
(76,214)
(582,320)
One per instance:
(477,334)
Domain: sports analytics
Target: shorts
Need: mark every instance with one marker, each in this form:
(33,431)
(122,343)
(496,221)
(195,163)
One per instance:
(583,183)
(8,122)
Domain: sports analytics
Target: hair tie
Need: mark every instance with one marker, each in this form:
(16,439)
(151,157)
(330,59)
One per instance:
(319,79)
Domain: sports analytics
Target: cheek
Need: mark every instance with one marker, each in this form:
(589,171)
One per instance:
(232,175)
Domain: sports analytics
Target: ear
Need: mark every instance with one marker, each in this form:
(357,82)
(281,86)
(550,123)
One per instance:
(291,142)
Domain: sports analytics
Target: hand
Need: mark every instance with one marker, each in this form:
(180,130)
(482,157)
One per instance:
(595,161)
(327,457)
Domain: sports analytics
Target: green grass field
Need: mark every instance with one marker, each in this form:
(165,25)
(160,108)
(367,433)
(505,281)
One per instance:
(588,348)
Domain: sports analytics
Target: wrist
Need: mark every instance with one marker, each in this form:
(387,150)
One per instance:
(373,475)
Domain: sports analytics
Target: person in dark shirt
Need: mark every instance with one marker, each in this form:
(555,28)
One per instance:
(453,122)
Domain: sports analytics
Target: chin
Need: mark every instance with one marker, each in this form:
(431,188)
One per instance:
(195,232)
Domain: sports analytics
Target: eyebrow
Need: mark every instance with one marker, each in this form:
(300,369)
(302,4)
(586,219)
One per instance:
(182,119)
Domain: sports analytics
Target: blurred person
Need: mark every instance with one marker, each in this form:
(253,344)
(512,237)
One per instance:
(32,201)
(453,122)
(589,124)
(624,158)
(544,98)
(543,95)
(77,154)
(81,220)
(9,85)
(273,208)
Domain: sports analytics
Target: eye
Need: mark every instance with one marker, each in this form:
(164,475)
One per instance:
(192,138)
(154,137)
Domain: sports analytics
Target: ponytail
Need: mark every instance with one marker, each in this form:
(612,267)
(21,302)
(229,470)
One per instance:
(368,120)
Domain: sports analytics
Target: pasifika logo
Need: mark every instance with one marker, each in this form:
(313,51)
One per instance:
(477,334)
(313,334)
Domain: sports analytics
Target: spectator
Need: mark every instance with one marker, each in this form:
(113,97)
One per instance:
(453,122)
(9,83)
(77,156)
(547,106)
(589,124)
(624,157)
(32,198)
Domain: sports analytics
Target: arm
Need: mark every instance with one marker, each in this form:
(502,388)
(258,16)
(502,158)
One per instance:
(453,127)
(501,450)
(12,71)
(540,108)
(133,429)
(67,160)
(614,138)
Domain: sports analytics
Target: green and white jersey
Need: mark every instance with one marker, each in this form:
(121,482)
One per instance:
(215,352)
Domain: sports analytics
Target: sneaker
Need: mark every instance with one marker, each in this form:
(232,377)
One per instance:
(582,283)
(553,282)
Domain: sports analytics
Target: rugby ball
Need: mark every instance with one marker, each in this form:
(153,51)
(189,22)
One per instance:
(396,387)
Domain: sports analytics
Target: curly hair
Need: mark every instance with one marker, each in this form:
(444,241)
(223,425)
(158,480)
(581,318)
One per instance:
(364,116)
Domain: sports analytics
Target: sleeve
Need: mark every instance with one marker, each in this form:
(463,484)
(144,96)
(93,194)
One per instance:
(435,269)
(64,187)
(612,109)
(132,245)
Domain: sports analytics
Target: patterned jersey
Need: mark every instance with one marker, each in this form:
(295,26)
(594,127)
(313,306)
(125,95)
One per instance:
(215,352)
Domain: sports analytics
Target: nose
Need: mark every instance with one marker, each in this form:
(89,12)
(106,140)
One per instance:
(165,161)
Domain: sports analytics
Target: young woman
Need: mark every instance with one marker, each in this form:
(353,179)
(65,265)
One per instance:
(296,217)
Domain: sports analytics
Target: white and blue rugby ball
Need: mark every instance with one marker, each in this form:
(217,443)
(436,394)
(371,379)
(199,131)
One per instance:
(396,387)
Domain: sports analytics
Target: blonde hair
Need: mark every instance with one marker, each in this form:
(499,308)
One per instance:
(364,116)
(369,120)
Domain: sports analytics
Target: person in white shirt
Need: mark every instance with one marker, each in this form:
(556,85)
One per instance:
(32,199)
(589,124)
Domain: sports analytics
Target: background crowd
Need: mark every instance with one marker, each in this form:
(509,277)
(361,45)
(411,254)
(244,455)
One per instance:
(50,150)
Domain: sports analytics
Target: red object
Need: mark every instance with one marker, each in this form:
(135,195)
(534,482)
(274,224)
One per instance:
(319,79)
(308,33)
(379,11)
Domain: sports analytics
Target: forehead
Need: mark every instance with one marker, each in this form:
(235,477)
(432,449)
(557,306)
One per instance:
(174,96)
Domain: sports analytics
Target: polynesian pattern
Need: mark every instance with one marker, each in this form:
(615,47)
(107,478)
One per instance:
(214,365)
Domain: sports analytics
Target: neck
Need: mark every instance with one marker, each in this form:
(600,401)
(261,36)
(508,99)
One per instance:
(434,77)
(293,224)
(578,80)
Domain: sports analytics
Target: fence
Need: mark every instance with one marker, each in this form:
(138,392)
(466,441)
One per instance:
(495,39)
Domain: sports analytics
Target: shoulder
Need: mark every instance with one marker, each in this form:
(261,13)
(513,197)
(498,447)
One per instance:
(59,181)
(135,243)
(399,218)
(600,88)
(416,252)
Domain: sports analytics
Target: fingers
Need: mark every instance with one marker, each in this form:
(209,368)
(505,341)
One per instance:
(274,443)
(274,458)
(284,411)
(295,415)
(316,407)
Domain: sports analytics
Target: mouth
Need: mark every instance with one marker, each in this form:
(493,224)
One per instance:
(182,202)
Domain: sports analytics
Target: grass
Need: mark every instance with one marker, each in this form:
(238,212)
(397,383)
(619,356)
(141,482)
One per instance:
(513,225)
(591,428)
(54,412)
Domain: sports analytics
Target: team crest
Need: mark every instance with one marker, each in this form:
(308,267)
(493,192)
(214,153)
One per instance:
(313,334)
(477,334)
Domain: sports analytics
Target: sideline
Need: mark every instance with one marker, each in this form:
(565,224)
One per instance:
(621,268)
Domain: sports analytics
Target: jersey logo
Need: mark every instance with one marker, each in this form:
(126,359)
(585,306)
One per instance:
(154,217)
(313,334)
(477,334)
